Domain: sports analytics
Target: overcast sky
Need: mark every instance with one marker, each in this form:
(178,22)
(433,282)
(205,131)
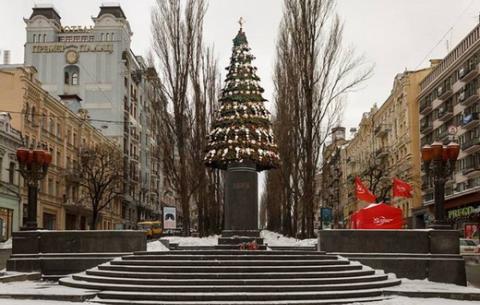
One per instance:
(393,35)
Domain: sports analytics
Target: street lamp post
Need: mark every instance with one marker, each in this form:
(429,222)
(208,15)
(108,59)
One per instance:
(439,162)
(33,167)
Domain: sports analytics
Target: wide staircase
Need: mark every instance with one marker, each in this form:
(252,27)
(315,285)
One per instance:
(232,277)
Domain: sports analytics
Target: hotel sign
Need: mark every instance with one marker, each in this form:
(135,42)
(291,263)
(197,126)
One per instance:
(60,48)
(77,29)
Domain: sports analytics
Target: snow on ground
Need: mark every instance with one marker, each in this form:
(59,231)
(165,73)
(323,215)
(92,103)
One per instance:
(6,245)
(40,288)
(427,286)
(39,302)
(193,241)
(156,246)
(416,301)
(392,301)
(276,239)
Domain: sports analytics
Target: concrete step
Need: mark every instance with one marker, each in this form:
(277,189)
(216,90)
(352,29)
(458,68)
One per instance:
(237,247)
(228,252)
(230,257)
(290,302)
(228,282)
(74,282)
(215,262)
(236,240)
(228,269)
(230,275)
(71,255)
(232,296)
(294,248)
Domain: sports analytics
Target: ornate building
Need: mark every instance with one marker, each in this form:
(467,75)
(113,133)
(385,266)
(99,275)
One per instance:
(10,206)
(45,121)
(387,145)
(96,64)
(449,103)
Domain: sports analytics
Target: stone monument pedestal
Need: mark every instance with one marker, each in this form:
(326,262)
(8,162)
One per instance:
(414,254)
(241,206)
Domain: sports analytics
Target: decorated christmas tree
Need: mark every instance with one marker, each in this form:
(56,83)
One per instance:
(241,127)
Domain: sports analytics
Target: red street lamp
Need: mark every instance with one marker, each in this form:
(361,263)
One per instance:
(439,162)
(33,168)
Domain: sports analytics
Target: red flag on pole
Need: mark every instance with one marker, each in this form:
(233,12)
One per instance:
(362,192)
(401,188)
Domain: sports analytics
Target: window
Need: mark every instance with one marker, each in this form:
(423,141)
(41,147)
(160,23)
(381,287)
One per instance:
(75,78)
(11,173)
(72,75)
(32,115)
(51,126)
(50,186)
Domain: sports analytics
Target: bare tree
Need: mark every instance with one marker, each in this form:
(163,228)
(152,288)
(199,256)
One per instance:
(205,88)
(99,176)
(176,32)
(314,71)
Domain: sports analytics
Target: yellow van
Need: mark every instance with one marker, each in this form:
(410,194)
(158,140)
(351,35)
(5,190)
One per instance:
(152,228)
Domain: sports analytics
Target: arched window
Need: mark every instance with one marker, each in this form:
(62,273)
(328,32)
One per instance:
(101,37)
(72,75)
(107,37)
(34,37)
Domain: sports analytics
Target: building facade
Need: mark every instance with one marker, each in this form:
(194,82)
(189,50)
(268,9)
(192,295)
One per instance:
(386,146)
(449,111)
(44,121)
(95,63)
(10,204)
(358,154)
(333,180)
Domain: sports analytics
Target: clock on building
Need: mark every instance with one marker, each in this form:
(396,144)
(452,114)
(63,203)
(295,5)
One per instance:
(71,56)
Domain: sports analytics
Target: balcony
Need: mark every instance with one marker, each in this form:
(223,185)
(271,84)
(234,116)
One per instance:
(443,136)
(468,97)
(471,145)
(467,73)
(472,170)
(470,120)
(425,107)
(426,127)
(445,113)
(444,93)
(382,130)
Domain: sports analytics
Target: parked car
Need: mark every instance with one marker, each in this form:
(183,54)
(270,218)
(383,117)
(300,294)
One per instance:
(468,246)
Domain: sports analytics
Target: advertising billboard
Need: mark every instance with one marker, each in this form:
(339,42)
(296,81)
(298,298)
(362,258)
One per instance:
(169,218)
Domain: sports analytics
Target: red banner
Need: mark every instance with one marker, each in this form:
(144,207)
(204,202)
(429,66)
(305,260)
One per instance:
(401,188)
(362,192)
(377,216)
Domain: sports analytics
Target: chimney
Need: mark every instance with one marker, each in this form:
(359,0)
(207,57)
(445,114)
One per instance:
(6,57)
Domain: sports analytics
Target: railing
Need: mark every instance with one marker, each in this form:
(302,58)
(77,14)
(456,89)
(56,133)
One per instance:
(469,117)
(468,144)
